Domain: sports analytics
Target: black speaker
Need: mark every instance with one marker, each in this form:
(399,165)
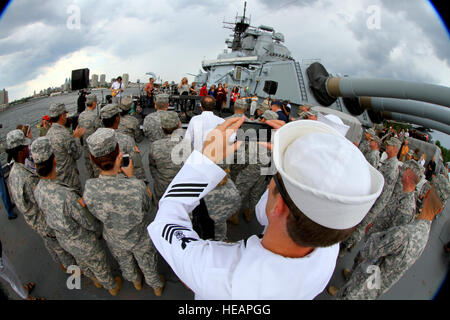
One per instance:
(80,79)
(270,87)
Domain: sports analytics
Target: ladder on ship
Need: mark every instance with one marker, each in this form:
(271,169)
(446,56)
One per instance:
(301,82)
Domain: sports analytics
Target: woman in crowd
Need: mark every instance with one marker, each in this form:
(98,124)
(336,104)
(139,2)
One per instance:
(221,97)
(183,89)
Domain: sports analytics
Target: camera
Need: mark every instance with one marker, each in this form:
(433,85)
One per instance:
(126,160)
(254,131)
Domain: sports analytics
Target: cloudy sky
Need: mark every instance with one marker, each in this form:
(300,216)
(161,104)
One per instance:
(41,41)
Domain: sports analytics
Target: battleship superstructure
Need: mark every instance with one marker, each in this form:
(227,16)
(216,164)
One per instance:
(258,62)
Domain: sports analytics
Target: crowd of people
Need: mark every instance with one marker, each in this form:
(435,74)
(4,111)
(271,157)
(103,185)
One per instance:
(326,197)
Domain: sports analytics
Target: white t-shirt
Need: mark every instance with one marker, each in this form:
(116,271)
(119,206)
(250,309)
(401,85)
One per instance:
(219,270)
(115,86)
(200,126)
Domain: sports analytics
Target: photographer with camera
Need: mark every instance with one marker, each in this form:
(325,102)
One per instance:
(123,204)
(67,148)
(324,187)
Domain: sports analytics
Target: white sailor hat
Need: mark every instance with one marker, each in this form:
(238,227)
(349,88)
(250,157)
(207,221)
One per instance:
(324,174)
(334,122)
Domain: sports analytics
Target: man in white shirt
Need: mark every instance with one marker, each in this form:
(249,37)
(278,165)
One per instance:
(116,91)
(323,189)
(201,125)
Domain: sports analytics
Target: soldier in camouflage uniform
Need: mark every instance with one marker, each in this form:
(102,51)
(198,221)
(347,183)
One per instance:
(163,167)
(90,120)
(152,123)
(373,156)
(393,251)
(402,204)
(67,148)
(221,204)
(129,125)
(21,183)
(364,146)
(66,213)
(111,119)
(390,171)
(123,203)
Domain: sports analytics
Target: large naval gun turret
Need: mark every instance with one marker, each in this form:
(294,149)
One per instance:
(258,62)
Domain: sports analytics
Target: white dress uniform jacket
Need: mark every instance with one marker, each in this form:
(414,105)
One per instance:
(218,270)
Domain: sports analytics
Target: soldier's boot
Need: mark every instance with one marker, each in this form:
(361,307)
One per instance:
(116,289)
(234,219)
(346,273)
(64,269)
(96,283)
(158,291)
(248,214)
(332,290)
(138,284)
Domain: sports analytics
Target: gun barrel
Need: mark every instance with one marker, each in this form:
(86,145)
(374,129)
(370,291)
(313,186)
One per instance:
(357,87)
(414,108)
(427,123)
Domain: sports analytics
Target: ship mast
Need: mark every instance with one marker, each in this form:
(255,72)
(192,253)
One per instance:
(240,26)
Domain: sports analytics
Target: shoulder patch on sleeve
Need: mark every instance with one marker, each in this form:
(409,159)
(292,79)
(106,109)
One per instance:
(137,149)
(81,202)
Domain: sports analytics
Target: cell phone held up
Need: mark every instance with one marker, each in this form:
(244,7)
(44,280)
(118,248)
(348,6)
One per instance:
(125,160)
(254,131)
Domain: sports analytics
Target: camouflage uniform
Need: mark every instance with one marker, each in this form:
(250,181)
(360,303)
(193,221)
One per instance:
(364,146)
(124,206)
(74,226)
(127,145)
(21,183)
(400,211)
(373,157)
(67,151)
(162,167)
(129,125)
(390,172)
(221,204)
(91,121)
(152,126)
(394,251)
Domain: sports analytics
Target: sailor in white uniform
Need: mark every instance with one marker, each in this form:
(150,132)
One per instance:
(324,187)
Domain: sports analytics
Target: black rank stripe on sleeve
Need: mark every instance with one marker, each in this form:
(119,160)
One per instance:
(174,229)
(186,190)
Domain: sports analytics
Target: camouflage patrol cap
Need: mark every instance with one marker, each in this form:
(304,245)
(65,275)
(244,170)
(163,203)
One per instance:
(162,98)
(56,109)
(241,104)
(442,187)
(126,103)
(415,167)
(41,149)
(394,142)
(102,142)
(109,111)
(90,99)
(270,115)
(263,107)
(169,120)
(371,132)
(16,138)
